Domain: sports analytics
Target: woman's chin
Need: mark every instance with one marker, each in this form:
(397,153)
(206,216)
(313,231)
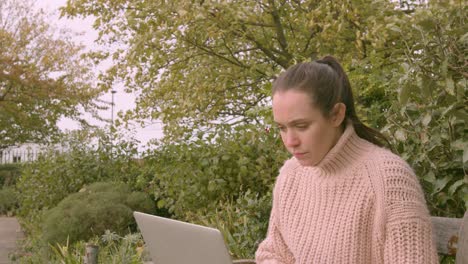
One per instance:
(306,163)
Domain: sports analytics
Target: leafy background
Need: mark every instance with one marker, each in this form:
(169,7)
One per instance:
(205,68)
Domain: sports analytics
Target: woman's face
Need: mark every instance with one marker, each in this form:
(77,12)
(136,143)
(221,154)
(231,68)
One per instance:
(305,132)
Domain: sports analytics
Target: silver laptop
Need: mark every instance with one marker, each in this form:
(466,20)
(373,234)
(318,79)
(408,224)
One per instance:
(174,242)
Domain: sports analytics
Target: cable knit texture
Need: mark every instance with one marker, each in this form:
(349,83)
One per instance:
(360,204)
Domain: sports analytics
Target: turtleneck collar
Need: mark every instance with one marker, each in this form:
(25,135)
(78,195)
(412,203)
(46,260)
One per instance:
(347,149)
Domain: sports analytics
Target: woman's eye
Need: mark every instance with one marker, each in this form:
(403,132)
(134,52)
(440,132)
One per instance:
(282,128)
(302,127)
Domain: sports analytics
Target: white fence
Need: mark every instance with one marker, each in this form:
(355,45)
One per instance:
(23,153)
(18,155)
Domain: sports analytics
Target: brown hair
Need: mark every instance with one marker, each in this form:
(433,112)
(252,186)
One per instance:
(327,84)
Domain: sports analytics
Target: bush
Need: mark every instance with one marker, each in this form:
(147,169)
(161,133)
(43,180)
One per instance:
(101,206)
(44,183)
(8,200)
(9,173)
(428,121)
(188,177)
(112,249)
(243,222)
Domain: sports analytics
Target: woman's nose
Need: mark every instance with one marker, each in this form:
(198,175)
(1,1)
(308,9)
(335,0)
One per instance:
(291,139)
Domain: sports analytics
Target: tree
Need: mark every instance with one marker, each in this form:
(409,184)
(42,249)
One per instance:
(208,65)
(42,76)
(201,65)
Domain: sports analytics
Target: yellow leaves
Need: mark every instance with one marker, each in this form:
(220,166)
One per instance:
(42,72)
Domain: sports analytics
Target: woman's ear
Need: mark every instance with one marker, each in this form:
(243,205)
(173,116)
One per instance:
(338,114)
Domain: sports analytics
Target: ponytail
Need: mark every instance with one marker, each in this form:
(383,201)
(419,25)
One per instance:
(347,97)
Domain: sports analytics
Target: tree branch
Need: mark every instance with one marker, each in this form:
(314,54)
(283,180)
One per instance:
(232,54)
(210,51)
(283,63)
(280,30)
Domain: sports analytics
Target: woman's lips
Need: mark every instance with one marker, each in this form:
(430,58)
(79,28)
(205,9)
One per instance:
(299,155)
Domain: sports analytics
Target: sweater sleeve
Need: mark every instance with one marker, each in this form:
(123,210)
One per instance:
(274,250)
(408,230)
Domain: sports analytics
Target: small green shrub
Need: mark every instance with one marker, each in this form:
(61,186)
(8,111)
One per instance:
(55,175)
(243,222)
(199,175)
(8,200)
(140,201)
(95,209)
(113,248)
(9,173)
(122,249)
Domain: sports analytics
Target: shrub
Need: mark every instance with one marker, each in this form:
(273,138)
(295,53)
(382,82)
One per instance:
(243,222)
(8,200)
(9,173)
(112,249)
(44,183)
(101,206)
(188,177)
(428,121)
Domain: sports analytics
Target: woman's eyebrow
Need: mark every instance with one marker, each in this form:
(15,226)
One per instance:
(297,121)
(294,122)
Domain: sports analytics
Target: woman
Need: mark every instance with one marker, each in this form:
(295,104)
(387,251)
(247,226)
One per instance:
(341,198)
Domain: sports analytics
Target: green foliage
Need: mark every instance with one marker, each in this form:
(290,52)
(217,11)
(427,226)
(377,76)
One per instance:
(112,249)
(192,176)
(243,222)
(446,259)
(205,69)
(62,254)
(44,183)
(428,122)
(118,249)
(407,63)
(87,157)
(9,173)
(8,200)
(223,182)
(199,64)
(95,209)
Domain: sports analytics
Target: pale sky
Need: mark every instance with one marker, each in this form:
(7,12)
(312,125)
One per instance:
(122,100)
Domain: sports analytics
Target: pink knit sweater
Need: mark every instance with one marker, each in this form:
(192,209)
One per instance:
(360,204)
